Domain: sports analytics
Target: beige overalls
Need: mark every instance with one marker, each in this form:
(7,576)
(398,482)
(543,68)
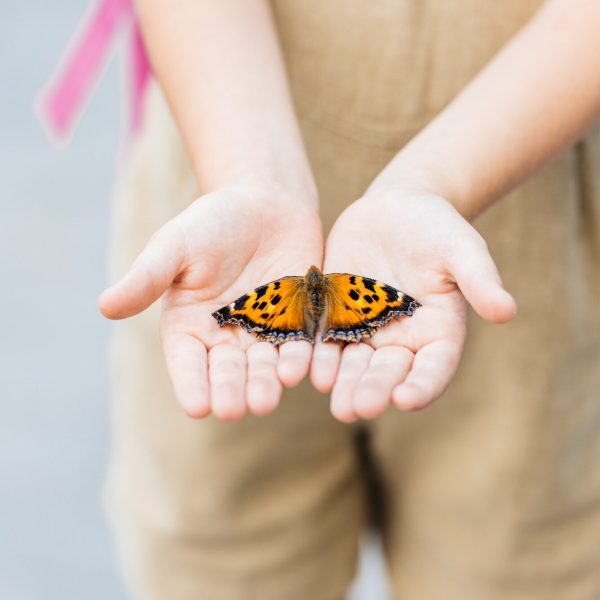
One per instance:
(493,492)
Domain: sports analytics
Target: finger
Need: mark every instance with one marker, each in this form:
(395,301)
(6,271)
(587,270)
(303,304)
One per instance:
(186,361)
(388,366)
(324,366)
(263,390)
(432,369)
(227,376)
(149,276)
(478,279)
(294,360)
(354,362)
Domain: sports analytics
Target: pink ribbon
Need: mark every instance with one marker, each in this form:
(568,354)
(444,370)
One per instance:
(68,91)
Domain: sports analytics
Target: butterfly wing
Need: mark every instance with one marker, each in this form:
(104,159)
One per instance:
(356,306)
(275,312)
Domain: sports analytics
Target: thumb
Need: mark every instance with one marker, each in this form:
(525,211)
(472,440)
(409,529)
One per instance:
(477,277)
(149,276)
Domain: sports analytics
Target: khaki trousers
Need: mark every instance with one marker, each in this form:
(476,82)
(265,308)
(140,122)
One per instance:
(491,493)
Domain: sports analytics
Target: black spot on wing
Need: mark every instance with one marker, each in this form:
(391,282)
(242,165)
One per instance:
(369,283)
(262,305)
(352,279)
(254,306)
(275,299)
(376,297)
(276,285)
(368,299)
(391,293)
(261,291)
(240,303)
(264,316)
(354,294)
(366,310)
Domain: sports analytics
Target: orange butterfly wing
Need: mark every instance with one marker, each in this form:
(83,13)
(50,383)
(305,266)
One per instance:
(356,306)
(275,312)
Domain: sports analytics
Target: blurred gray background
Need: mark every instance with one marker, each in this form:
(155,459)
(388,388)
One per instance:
(55,426)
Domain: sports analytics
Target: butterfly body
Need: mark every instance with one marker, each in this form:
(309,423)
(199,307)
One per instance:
(315,288)
(341,305)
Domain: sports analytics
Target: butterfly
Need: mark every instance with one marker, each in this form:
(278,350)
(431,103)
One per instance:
(343,306)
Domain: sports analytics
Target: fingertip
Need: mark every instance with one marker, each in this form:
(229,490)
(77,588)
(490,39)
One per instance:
(104,304)
(340,404)
(343,413)
(370,398)
(321,385)
(500,307)
(354,362)
(261,411)
(507,311)
(479,281)
(324,366)
(263,388)
(196,411)
(192,395)
(262,397)
(289,375)
(367,409)
(228,410)
(293,363)
(410,397)
(114,304)
(227,373)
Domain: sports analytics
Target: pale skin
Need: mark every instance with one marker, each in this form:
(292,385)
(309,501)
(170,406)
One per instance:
(258,219)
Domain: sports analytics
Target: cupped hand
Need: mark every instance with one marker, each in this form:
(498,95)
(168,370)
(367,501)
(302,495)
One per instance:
(224,244)
(418,243)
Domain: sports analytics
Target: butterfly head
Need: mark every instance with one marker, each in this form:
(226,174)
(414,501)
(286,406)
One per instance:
(313,277)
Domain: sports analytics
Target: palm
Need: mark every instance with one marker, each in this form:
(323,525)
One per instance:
(223,245)
(414,244)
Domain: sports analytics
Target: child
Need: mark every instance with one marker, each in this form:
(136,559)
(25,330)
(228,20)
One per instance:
(492,492)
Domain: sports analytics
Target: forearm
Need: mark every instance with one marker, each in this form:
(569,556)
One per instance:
(220,66)
(531,101)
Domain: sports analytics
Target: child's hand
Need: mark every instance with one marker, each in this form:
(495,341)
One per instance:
(226,243)
(420,244)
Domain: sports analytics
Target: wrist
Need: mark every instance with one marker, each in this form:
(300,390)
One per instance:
(410,178)
(287,173)
(273,191)
(430,164)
